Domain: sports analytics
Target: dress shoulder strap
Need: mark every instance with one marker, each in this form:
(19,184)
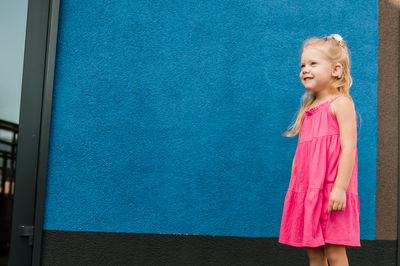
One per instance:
(334,98)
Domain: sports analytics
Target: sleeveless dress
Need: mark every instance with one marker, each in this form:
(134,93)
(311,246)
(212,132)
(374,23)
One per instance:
(305,218)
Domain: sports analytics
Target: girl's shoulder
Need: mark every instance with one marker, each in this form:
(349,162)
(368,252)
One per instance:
(342,102)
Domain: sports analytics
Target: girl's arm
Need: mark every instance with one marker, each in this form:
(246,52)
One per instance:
(345,111)
(348,141)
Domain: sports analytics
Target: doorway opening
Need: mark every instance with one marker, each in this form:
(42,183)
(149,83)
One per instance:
(13,18)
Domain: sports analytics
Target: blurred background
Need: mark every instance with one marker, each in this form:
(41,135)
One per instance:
(12,43)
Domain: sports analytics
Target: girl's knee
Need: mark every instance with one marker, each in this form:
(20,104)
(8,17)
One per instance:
(335,252)
(316,253)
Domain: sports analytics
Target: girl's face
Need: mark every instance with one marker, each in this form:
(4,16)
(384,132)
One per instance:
(316,70)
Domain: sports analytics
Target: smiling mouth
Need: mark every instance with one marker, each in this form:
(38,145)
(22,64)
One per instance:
(306,79)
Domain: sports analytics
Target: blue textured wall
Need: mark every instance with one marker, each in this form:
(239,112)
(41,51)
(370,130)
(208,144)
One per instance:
(167,115)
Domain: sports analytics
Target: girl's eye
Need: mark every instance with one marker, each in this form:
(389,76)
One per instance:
(311,64)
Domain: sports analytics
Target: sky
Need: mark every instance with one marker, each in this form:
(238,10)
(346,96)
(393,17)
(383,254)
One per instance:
(12,42)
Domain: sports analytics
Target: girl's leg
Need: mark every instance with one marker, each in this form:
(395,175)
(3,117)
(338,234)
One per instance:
(336,255)
(317,256)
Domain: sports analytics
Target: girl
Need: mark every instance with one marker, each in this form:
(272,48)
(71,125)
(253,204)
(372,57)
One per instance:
(321,208)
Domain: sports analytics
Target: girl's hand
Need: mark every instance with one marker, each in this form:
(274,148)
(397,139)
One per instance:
(337,199)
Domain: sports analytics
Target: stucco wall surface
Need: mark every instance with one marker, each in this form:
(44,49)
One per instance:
(167,115)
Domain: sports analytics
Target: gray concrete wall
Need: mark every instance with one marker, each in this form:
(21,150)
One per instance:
(387,105)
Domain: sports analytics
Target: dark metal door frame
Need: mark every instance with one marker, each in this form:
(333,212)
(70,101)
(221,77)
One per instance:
(35,116)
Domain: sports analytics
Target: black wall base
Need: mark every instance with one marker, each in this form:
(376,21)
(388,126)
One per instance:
(98,248)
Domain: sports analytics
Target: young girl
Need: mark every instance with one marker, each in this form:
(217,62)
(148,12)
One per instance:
(321,208)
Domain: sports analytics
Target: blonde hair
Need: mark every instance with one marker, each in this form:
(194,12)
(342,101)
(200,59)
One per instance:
(335,54)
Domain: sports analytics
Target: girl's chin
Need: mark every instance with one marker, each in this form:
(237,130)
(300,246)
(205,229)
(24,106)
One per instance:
(311,90)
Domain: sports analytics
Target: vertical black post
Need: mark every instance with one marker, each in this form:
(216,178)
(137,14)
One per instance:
(30,130)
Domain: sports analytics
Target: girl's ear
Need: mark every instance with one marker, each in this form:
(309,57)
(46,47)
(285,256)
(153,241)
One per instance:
(337,70)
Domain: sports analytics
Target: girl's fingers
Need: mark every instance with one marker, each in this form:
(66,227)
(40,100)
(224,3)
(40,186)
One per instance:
(335,206)
(330,206)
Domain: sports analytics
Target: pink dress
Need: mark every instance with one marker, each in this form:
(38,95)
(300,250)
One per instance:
(305,219)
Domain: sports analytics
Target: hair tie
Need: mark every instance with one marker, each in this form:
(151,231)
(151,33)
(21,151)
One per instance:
(336,37)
